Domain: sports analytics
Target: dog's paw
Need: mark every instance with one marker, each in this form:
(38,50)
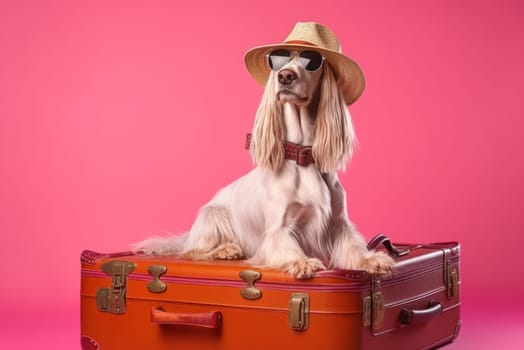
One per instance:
(227,251)
(378,263)
(303,269)
(155,246)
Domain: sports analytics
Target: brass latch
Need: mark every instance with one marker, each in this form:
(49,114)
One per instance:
(373,306)
(452,280)
(298,311)
(377,318)
(250,292)
(156,285)
(366,312)
(114,299)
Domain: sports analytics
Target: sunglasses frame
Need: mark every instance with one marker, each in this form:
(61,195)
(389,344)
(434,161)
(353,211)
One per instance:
(292,55)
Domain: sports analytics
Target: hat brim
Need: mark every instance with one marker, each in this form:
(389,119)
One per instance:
(349,76)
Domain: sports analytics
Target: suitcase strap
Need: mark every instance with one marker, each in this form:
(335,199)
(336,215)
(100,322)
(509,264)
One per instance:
(386,242)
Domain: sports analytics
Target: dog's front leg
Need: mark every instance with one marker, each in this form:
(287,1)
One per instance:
(349,249)
(280,250)
(281,244)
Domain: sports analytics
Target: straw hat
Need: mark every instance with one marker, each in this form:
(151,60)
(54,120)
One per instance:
(312,36)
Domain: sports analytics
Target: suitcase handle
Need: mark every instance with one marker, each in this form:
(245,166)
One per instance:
(408,316)
(205,319)
(386,242)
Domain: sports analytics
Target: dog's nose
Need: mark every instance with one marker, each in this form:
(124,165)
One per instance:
(286,77)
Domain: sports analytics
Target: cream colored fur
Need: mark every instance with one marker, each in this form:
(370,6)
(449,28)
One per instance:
(282,215)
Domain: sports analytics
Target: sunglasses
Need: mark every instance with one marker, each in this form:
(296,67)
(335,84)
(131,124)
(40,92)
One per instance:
(309,60)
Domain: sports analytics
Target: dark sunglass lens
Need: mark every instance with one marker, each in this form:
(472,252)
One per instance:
(311,60)
(278,59)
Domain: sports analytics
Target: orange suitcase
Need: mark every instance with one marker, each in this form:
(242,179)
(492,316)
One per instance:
(142,302)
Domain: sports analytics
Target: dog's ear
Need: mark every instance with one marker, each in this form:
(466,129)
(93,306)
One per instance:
(335,138)
(267,148)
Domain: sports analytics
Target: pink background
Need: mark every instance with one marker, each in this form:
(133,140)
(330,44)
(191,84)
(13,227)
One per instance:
(118,120)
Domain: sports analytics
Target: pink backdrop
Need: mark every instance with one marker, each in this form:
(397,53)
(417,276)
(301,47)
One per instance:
(119,119)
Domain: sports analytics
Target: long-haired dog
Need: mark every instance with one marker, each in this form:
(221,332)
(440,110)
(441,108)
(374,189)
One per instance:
(289,212)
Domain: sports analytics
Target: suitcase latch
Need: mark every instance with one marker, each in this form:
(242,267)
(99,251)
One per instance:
(373,306)
(156,285)
(366,311)
(250,292)
(452,280)
(298,311)
(113,299)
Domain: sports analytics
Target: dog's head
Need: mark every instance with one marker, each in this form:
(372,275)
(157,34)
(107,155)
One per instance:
(304,79)
(296,76)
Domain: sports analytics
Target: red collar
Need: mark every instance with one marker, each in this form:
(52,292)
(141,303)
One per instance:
(303,155)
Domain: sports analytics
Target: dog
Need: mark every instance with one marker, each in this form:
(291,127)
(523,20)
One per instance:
(289,212)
